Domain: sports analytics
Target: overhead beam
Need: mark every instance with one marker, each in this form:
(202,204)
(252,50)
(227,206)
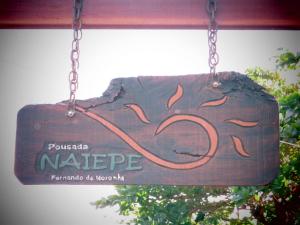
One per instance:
(156,14)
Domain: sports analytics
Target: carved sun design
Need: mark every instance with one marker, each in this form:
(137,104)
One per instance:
(205,124)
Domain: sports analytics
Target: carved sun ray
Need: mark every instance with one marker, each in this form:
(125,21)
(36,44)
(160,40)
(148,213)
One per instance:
(139,112)
(217,102)
(239,147)
(175,97)
(242,123)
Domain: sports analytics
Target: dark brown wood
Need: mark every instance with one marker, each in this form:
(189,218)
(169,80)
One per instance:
(154,130)
(182,14)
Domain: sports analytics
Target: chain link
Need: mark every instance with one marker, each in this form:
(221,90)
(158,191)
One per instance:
(75,52)
(213,57)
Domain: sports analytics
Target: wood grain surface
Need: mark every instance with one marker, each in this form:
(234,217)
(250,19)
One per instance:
(174,14)
(173,130)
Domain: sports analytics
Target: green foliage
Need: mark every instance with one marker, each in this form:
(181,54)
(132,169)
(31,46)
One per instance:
(288,60)
(163,205)
(290,117)
(272,82)
(275,203)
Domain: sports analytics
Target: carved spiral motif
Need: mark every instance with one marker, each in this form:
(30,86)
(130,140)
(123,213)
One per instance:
(202,122)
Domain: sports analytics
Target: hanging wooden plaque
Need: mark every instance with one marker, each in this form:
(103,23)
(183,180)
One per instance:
(154,130)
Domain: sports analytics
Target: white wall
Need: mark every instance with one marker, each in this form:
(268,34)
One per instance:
(34,65)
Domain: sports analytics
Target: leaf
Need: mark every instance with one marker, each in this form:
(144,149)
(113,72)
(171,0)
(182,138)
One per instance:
(257,197)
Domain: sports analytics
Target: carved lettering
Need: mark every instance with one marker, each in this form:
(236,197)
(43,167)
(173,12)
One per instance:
(88,161)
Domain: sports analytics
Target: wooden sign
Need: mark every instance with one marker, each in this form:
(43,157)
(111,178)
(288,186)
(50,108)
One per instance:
(154,130)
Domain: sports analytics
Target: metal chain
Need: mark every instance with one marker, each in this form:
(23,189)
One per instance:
(73,75)
(213,58)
